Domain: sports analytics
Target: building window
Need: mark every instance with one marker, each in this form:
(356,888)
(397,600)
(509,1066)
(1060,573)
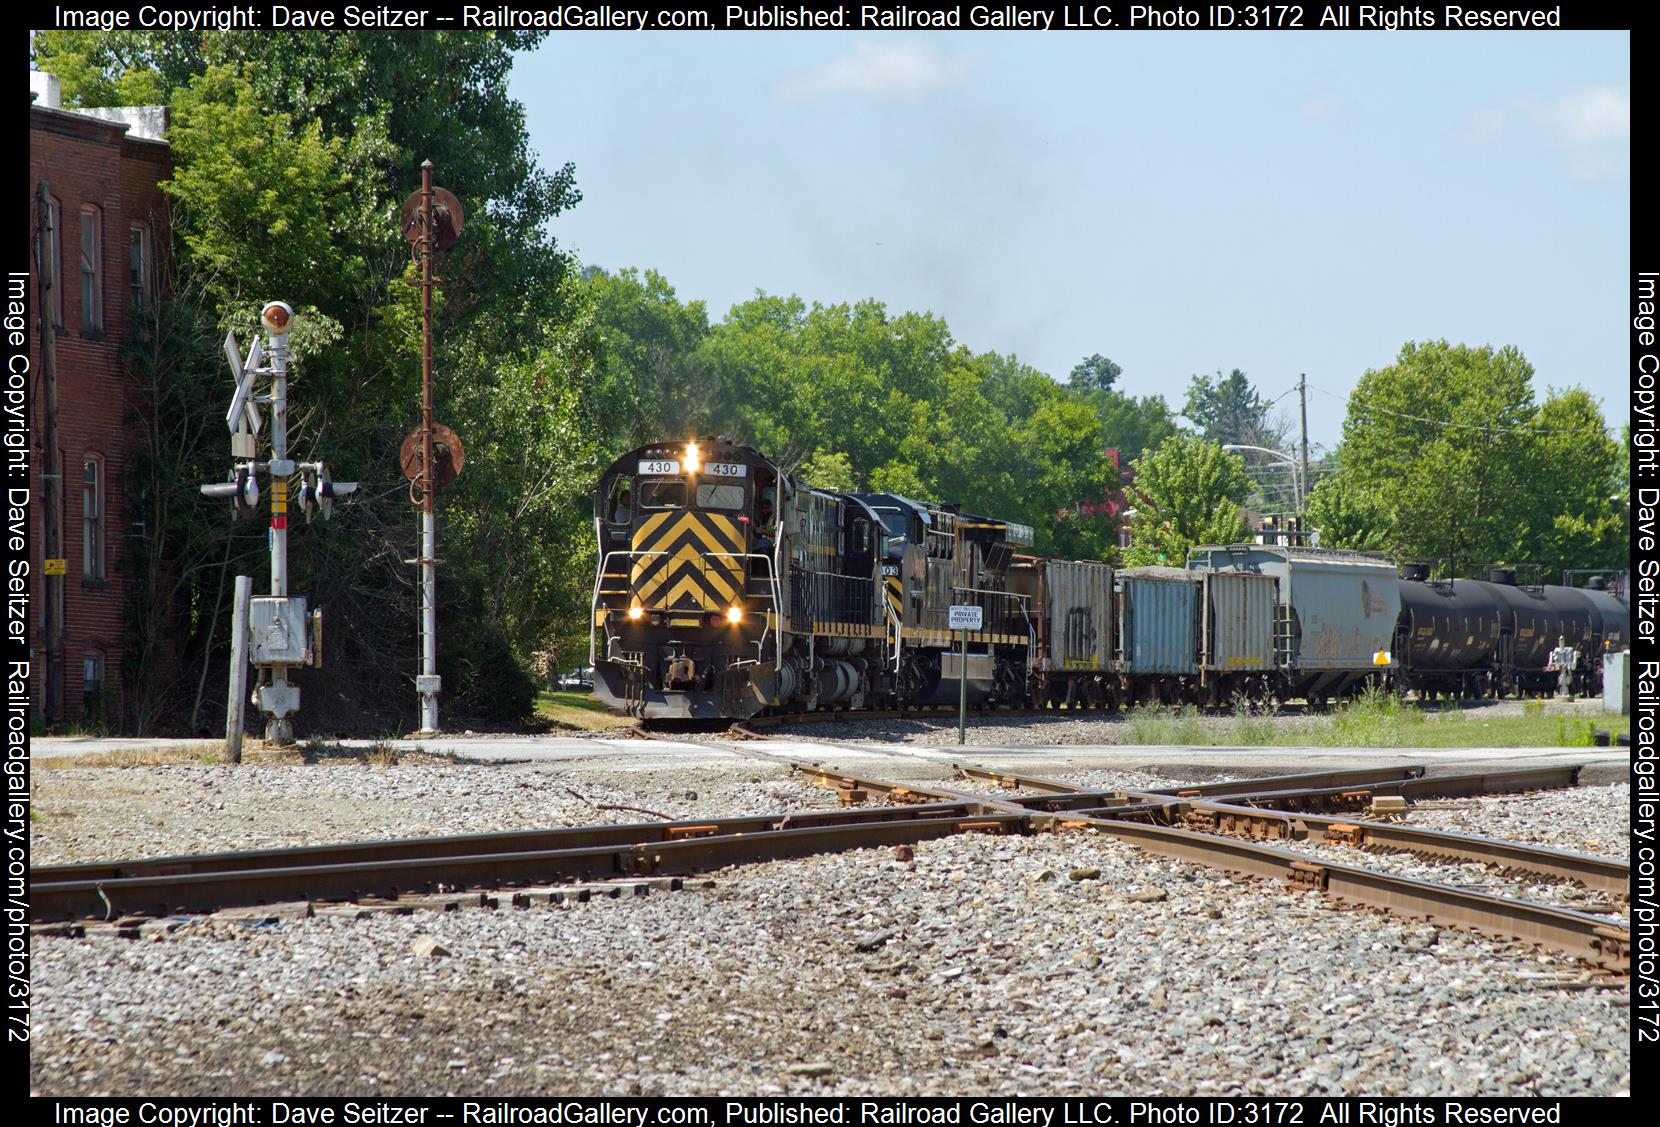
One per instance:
(92,685)
(92,290)
(138,263)
(92,519)
(52,253)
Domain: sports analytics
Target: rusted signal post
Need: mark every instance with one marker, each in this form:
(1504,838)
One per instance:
(432,453)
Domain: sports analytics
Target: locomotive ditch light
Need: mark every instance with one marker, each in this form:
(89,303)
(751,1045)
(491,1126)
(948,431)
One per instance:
(734,614)
(635,614)
(692,458)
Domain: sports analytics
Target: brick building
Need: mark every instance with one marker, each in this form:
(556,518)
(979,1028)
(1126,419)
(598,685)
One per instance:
(102,170)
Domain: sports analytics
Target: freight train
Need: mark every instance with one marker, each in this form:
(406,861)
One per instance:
(726,587)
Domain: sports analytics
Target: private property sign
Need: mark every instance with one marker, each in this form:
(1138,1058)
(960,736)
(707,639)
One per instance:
(966,618)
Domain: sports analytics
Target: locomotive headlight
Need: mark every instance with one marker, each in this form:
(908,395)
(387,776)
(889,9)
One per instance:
(635,613)
(733,614)
(692,458)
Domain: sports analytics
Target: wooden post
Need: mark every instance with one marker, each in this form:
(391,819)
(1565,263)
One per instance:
(236,699)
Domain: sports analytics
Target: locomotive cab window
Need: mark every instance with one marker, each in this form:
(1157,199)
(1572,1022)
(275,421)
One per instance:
(711,495)
(662,495)
(621,508)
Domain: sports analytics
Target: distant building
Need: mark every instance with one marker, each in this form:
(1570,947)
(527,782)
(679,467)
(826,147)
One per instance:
(102,169)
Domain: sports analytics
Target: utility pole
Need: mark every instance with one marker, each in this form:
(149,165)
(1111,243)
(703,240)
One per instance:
(282,635)
(431,223)
(52,473)
(1302,497)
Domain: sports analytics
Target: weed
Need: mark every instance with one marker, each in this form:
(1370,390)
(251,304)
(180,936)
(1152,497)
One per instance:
(1147,724)
(381,754)
(1185,728)
(1253,726)
(1533,709)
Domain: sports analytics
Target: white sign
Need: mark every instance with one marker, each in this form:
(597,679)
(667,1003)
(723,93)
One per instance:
(967,618)
(661,467)
(725,469)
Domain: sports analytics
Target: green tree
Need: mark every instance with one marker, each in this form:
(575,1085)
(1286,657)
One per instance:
(1094,372)
(1581,487)
(1131,425)
(292,156)
(829,469)
(1440,440)
(1188,493)
(1347,514)
(1227,409)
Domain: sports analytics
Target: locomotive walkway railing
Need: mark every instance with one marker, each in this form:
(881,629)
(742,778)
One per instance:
(759,565)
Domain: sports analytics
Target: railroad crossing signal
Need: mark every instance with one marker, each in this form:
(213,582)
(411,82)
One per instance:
(282,634)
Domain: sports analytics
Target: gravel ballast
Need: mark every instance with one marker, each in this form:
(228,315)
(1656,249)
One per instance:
(89,813)
(1053,964)
(979,966)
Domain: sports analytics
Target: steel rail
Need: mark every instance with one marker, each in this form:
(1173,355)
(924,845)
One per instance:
(513,841)
(1431,786)
(1586,936)
(1605,874)
(208,891)
(1589,937)
(1309,779)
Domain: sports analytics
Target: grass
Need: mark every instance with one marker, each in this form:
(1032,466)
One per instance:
(189,755)
(576,711)
(1150,724)
(1253,728)
(314,751)
(1374,719)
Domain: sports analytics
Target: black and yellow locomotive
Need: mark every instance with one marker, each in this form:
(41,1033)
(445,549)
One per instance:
(726,587)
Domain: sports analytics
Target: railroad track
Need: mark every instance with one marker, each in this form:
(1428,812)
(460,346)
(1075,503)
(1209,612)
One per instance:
(1226,825)
(1586,936)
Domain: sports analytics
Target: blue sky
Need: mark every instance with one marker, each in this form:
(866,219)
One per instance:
(1181,202)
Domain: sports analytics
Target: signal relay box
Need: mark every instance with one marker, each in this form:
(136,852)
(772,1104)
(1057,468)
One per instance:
(278,628)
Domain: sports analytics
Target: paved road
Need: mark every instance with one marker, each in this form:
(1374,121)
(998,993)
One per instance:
(1602,764)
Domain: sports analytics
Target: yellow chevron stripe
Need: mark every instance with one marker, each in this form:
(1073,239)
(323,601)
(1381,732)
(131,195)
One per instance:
(730,529)
(688,585)
(648,528)
(670,567)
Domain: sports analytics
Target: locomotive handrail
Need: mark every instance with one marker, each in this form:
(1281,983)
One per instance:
(772,596)
(593,600)
(898,633)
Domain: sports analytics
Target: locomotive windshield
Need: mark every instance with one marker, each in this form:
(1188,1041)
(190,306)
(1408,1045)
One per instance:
(662,495)
(713,496)
(892,519)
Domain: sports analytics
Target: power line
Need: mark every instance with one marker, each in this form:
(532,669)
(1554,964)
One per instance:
(1604,429)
